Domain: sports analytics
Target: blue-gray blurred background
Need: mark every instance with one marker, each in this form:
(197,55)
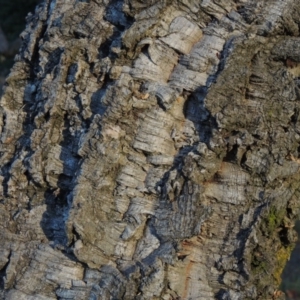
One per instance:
(12,22)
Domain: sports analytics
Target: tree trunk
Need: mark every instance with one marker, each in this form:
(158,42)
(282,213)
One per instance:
(149,150)
(3,43)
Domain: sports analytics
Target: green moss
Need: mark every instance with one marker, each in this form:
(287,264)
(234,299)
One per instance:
(259,266)
(282,256)
(270,114)
(267,269)
(267,263)
(274,219)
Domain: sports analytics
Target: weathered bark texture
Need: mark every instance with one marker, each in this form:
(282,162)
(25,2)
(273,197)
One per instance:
(149,150)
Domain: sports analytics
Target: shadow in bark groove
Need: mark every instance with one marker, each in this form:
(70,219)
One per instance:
(3,273)
(290,284)
(60,200)
(114,14)
(29,100)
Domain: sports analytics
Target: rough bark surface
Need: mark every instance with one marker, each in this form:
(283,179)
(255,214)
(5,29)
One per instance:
(149,150)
